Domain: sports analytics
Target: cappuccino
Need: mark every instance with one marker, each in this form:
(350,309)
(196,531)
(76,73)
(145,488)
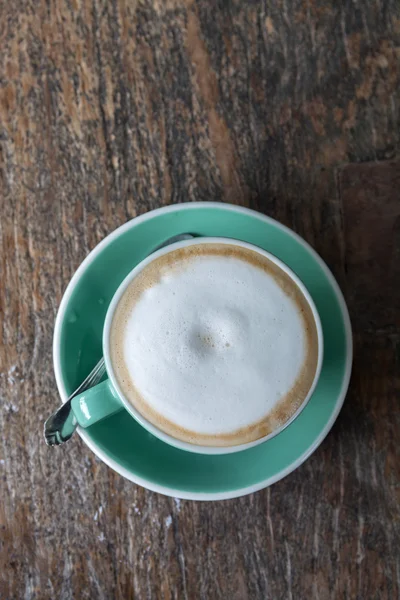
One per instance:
(214,344)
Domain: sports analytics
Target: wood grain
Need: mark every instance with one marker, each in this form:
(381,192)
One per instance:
(109,108)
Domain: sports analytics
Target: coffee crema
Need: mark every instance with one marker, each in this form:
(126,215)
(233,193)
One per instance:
(214,344)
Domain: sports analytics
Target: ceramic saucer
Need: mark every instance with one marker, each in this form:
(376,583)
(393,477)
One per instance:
(119,440)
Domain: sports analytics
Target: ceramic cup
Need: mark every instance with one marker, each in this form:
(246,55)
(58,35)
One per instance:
(107,398)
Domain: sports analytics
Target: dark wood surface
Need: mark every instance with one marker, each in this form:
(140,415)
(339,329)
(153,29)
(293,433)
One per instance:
(111,108)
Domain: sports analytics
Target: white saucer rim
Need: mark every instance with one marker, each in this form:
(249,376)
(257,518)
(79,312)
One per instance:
(176,493)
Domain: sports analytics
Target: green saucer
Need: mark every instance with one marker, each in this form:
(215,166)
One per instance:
(126,446)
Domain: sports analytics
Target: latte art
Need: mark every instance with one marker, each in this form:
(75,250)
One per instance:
(214,344)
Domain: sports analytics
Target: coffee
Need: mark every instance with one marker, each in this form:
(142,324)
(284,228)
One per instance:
(214,344)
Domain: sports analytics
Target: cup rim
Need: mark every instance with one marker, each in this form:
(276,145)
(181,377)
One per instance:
(182,445)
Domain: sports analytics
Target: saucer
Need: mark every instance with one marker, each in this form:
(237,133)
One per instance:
(126,446)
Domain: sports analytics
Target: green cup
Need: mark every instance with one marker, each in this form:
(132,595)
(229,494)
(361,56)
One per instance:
(107,398)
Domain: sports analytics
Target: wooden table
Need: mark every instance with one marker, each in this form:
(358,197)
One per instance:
(111,108)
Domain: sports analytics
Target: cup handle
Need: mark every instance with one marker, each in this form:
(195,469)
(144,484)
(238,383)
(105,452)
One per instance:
(96,403)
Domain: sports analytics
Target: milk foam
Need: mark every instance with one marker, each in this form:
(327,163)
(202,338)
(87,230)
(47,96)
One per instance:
(212,346)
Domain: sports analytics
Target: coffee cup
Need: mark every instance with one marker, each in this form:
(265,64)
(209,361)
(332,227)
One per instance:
(212,344)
